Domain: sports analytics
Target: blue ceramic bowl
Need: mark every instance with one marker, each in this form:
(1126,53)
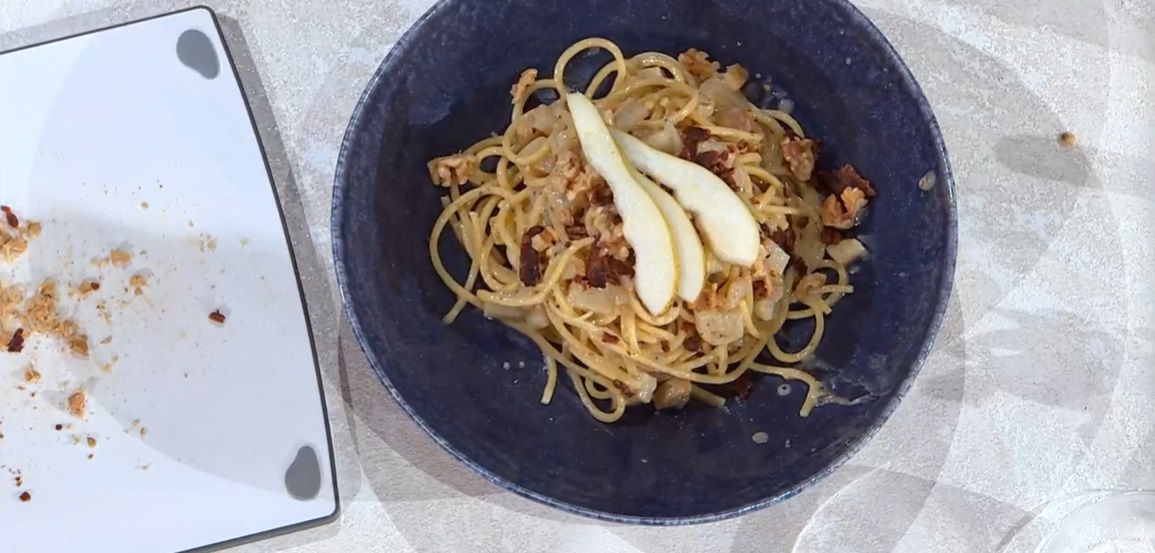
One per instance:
(446,84)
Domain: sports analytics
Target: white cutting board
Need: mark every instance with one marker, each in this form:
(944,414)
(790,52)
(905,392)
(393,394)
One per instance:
(235,439)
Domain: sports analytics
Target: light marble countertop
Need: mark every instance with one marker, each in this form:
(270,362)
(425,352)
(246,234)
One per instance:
(1041,384)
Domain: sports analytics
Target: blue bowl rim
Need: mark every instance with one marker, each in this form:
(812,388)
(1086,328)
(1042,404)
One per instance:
(340,184)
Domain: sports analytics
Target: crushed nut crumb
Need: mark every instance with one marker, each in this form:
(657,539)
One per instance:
(217,317)
(91,441)
(16,343)
(208,243)
(10,217)
(30,375)
(119,257)
(87,287)
(76,403)
(25,497)
(1067,139)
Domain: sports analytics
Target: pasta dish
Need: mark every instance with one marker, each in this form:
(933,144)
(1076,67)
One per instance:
(652,233)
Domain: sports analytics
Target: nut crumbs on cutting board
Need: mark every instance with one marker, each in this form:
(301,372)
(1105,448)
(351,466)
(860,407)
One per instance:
(27,312)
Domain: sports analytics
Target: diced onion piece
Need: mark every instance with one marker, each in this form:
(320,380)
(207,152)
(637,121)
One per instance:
(639,391)
(719,328)
(666,140)
(847,251)
(672,394)
(537,319)
(503,312)
(603,301)
(764,309)
(777,260)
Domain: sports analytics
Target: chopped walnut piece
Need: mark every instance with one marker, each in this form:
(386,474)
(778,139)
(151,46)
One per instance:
(698,64)
(76,403)
(524,81)
(799,155)
(843,211)
(217,317)
(855,201)
(1067,139)
(30,374)
(91,441)
(454,169)
(809,285)
(119,257)
(834,214)
(25,497)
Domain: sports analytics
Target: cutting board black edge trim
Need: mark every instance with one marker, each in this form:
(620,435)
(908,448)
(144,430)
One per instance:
(234,542)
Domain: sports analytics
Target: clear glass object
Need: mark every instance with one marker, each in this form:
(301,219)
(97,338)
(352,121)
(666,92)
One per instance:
(1106,522)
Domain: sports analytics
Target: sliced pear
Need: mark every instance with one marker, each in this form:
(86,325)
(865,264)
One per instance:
(687,245)
(729,227)
(643,225)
